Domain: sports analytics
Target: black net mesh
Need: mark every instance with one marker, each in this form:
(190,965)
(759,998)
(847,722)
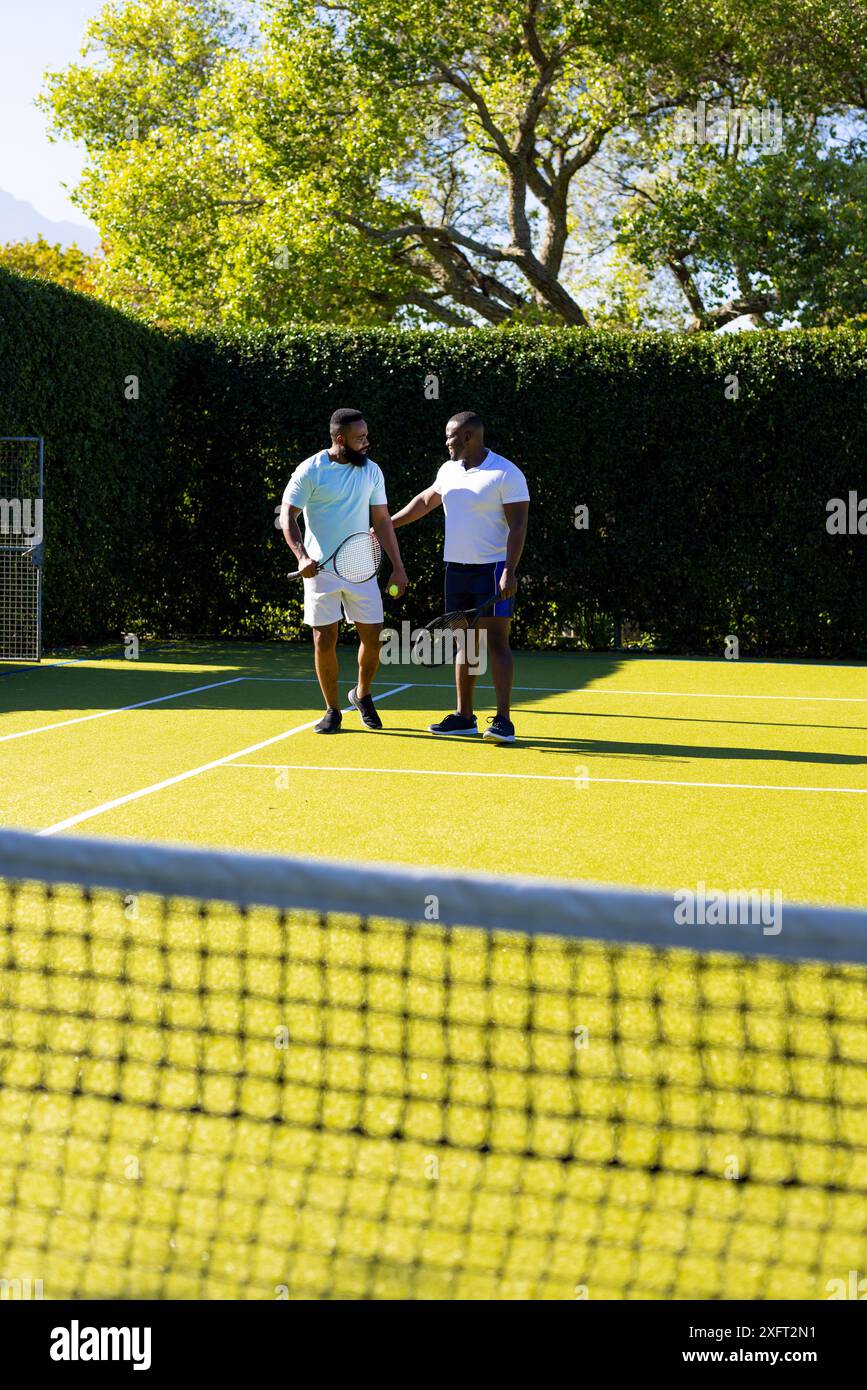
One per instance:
(20,554)
(19,606)
(201,1101)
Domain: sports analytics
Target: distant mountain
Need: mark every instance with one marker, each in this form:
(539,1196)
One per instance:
(21,222)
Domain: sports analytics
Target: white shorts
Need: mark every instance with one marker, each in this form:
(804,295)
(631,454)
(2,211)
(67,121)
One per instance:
(327,593)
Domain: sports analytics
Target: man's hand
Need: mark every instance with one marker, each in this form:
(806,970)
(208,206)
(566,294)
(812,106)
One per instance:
(307,568)
(383,530)
(508,583)
(398,577)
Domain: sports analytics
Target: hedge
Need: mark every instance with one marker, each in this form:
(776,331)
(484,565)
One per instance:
(707,497)
(64,364)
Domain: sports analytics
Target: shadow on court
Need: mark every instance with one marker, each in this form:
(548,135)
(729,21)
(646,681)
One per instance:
(683,752)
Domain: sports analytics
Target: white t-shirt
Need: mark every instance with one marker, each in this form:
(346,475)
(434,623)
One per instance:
(476,525)
(336,499)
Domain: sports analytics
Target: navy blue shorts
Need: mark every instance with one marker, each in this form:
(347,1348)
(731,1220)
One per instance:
(469,586)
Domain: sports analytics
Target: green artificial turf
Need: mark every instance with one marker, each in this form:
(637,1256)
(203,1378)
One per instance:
(593,789)
(429,1129)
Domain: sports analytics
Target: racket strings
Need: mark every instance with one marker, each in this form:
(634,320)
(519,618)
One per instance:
(461,619)
(358,558)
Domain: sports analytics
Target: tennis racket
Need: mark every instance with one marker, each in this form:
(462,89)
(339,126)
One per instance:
(459,619)
(356,559)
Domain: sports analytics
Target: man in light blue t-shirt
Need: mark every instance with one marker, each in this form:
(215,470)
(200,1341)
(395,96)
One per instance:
(341,491)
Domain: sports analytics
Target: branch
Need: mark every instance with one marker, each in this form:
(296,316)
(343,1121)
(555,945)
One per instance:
(239,204)
(441,243)
(428,235)
(457,80)
(755,305)
(447,269)
(462,282)
(531,34)
(683,276)
(589,147)
(432,304)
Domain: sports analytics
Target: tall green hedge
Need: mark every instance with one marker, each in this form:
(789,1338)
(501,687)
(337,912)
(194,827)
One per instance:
(707,513)
(707,497)
(65,361)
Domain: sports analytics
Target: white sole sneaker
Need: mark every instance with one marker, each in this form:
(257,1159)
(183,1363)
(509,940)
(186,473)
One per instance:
(498,738)
(452,733)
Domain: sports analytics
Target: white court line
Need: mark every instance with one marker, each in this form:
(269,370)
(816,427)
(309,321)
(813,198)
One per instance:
(547,777)
(121,709)
(192,772)
(614,690)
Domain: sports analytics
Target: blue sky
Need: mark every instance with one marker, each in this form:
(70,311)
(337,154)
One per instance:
(38,34)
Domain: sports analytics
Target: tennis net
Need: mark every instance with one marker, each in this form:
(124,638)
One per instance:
(20,549)
(227,1076)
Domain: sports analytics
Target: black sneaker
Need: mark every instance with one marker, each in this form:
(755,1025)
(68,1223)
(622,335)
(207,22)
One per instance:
(460,724)
(501,730)
(329,723)
(366,708)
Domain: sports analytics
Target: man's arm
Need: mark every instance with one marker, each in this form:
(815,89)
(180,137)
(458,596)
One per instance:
(295,541)
(517,514)
(425,502)
(384,529)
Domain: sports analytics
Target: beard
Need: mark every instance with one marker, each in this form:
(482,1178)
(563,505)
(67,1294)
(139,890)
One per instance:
(355,456)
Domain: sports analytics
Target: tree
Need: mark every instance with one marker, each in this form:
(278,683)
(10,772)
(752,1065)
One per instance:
(372,161)
(70,267)
(790,229)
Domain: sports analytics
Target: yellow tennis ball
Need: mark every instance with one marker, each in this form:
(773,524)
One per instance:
(393,590)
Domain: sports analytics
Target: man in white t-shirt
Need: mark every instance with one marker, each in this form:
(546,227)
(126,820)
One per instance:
(341,491)
(486,503)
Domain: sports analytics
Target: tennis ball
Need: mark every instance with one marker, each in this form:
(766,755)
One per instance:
(393,590)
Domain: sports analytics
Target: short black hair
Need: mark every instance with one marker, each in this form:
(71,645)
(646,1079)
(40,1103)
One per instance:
(345,416)
(467,419)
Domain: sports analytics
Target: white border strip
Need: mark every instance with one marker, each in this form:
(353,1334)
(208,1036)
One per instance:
(580,690)
(492,902)
(119,709)
(548,777)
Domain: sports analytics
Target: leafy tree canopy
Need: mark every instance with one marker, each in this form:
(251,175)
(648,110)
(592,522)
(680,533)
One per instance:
(636,162)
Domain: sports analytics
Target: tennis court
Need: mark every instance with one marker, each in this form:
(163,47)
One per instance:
(630,770)
(228,1077)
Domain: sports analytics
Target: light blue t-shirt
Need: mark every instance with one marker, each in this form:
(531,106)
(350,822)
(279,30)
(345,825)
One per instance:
(336,499)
